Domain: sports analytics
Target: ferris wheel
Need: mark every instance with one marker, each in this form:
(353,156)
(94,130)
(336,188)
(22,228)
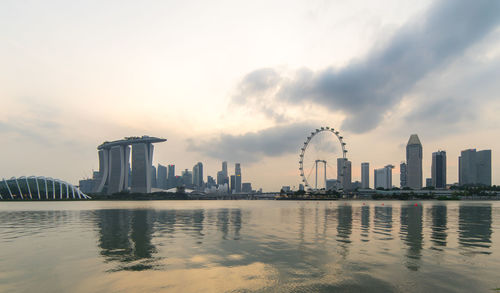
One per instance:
(325,151)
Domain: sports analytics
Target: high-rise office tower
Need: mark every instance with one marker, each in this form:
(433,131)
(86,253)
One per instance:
(483,169)
(161,180)
(172,180)
(365,175)
(237,173)
(402,175)
(344,173)
(220,178)
(187,178)
(414,162)
(348,175)
(198,175)
(233,183)
(438,169)
(474,167)
(224,169)
(195,175)
(154,184)
(383,177)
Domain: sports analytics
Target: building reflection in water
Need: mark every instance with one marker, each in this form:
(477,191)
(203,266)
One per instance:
(125,237)
(439,225)
(344,220)
(365,222)
(344,228)
(383,222)
(475,227)
(411,234)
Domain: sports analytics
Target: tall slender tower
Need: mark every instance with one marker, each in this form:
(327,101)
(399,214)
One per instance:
(237,172)
(403,175)
(365,175)
(161,181)
(438,169)
(414,162)
(224,169)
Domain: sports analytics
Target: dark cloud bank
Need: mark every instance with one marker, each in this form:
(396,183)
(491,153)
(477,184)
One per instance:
(252,146)
(366,89)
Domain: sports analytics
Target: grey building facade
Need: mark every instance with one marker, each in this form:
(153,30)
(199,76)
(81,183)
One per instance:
(474,167)
(382,178)
(365,175)
(237,180)
(438,169)
(142,158)
(161,179)
(403,182)
(171,179)
(198,175)
(414,162)
(344,170)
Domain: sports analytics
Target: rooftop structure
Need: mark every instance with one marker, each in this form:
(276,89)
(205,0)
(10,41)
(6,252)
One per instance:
(130,141)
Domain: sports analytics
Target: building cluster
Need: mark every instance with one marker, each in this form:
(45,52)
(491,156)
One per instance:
(116,173)
(165,178)
(474,169)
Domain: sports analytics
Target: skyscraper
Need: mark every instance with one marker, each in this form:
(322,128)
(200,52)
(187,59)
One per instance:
(224,169)
(153,177)
(403,175)
(438,169)
(233,183)
(237,173)
(344,173)
(161,180)
(187,178)
(198,175)
(220,178)
(365,175)
(414,162)
(383,177)
(172,180)
(474,167)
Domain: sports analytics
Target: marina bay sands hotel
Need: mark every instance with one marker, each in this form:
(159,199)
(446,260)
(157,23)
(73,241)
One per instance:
(114,165)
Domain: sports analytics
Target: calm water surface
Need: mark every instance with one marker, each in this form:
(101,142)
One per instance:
(250,246)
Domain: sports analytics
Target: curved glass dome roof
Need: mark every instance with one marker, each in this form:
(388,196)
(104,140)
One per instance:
(38,188)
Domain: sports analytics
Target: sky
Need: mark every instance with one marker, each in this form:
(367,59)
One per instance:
(246,81)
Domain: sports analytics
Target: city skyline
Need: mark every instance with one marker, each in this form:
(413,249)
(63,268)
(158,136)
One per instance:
(257,88)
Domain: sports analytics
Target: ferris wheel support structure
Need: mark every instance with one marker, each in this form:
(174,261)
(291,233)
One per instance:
(304,149)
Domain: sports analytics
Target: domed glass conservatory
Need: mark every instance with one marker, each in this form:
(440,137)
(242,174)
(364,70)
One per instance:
(38,188)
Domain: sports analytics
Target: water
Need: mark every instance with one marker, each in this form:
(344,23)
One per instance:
(250,246)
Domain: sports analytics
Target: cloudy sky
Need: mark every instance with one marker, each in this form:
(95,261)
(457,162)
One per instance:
(246,81)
